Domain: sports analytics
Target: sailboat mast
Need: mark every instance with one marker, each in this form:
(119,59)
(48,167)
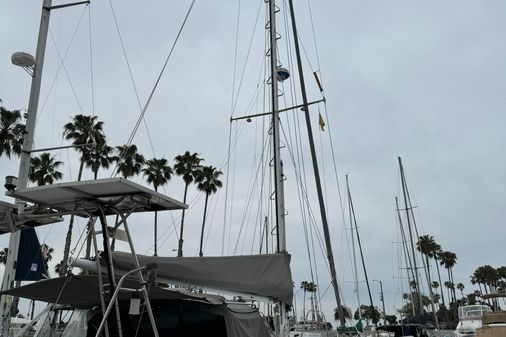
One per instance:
(10,267)
(278,165)
(354,254)
(323,213)
(404,192)
(352,210)
(409,267)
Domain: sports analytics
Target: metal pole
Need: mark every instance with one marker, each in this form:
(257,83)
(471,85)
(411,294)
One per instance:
(110,268)
(403,181)
(383,303)
(114,299)
(354,255)
(34,321)
(406,254)
(141,279)
(99,272)
(278,177)
(330,255)
(360,246)
(10,267)
(382,298)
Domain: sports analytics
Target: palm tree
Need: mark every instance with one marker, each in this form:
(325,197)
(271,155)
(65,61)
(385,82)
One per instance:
(81,130)
(158,173)
(58,268)
(3,255)
(449,260)
(188,166)
(437,251)
(425,245)
(129,162)
(44,169)
(84,130)
(450,286)
(460,286)
(100,156)
(346,313)
(208,183)
(311,288)
(303,286)
(11,132)
(47,254)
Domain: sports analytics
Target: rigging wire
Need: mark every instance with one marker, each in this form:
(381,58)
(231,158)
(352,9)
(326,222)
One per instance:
(39,115)
(230,127)
(92,82)
(144,109)
(66,72)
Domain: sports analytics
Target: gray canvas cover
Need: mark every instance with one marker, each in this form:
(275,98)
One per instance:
(266,275)
(241,323)
(81,291)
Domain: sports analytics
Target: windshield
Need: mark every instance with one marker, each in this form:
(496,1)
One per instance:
(473,311)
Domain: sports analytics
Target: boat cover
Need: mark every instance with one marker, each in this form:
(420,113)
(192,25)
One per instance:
(81,291)
(265,275)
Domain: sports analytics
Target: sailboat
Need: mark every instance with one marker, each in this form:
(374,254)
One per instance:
(127,294)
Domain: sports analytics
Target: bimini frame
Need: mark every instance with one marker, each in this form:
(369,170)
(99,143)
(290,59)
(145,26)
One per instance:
(94,200)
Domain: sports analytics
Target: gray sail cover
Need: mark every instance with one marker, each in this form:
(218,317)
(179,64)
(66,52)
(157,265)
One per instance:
(266,275)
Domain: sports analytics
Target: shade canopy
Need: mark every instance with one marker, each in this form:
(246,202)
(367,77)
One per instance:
(81,291)
(87,197)
(266,275)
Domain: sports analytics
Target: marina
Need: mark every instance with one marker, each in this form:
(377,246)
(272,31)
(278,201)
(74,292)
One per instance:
(189,171)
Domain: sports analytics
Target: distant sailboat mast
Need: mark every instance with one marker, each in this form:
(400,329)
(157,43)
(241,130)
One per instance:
(355,269)
(353,221)
(323,213)
(410,231)
(409,266)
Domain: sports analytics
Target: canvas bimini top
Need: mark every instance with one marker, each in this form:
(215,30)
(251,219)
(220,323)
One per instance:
(82,198)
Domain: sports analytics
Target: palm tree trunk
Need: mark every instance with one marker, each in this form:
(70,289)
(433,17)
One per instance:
(453,288)
(203,224)
(156,234)
(304,306)
(81,167)
(449,291)
(15,301)
(66,250)
(440,284)
(180,246)
(68,238)
(430,292)
(312,307)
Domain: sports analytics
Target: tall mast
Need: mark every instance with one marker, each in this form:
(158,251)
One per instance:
(404,192)
(278,165)
(352,210)
(330,255)
(409,267)
(355,269)
(10,267)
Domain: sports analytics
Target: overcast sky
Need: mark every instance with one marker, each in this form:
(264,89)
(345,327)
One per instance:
(420,80)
